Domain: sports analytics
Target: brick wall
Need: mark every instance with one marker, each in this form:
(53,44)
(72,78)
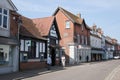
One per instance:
(32,65)
(66,34)
(13,24)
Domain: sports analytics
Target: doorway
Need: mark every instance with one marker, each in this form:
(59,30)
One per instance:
(53,56)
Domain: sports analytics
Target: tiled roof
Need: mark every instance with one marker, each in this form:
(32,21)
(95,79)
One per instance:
(44,24)
(28,28)
(72,17)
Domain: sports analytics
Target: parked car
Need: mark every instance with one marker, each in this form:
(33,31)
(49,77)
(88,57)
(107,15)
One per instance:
(116,57)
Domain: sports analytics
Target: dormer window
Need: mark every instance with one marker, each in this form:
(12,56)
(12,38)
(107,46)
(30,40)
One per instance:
(67,26)
(4,18)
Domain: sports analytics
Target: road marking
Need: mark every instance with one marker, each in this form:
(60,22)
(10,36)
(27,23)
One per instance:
(113,73)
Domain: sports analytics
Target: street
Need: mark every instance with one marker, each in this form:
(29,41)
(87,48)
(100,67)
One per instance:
(85,71)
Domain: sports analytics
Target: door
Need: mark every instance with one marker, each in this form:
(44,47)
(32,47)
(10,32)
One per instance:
(53,56)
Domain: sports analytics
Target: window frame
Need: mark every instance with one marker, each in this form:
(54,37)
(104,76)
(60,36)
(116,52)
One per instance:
(66,24)
(2,19)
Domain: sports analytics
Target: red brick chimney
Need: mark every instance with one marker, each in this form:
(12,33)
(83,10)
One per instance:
(99,30)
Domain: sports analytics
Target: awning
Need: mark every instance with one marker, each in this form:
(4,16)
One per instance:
(8,41)
(97,52)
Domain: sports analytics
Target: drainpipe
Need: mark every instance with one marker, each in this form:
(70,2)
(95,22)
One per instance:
(19,22)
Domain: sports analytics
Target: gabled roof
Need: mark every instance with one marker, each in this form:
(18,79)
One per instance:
(44,24)
(28,28)
(72,17)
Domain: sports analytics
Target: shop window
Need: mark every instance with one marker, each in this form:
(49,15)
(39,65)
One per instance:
(1,57)
(4,54)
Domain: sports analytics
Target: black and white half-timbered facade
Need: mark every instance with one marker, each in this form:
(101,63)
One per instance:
(49,29)
(33,48)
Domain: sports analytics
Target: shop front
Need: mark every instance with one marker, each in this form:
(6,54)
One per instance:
(8,56)
(97,55)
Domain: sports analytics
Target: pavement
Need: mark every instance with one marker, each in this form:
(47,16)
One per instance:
(105,70)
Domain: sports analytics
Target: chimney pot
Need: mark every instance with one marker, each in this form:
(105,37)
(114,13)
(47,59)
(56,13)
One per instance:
(79,15)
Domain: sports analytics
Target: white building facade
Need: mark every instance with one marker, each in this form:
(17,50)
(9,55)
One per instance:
(8,46)
(96,44)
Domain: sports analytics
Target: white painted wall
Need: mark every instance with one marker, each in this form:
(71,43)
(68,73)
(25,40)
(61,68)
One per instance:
(95,42)
(6,4)
(15,58)
(72,54)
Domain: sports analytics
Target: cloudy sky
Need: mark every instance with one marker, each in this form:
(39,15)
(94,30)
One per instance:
(103,13)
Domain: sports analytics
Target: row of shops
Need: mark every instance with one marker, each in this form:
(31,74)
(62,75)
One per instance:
(26,43)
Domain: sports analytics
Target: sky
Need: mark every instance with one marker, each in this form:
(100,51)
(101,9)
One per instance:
(104,13)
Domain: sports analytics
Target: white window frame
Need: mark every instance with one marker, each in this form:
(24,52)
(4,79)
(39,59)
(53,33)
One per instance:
(82,39)
(22,47)
(78,38)
(86,40)
(67,24)
(37,49)
(3,18)
(43,47)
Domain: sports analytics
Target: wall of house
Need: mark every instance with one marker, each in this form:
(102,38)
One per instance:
(66,34)
(32,65)
(95,42)
(14,25)
(5,4)
(82,32)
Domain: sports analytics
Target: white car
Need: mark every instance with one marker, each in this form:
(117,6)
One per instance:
(116,57)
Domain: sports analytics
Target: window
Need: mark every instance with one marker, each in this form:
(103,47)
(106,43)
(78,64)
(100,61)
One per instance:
(52,41)
(4,54)
(40,47)
(32,50)
(21,45)
(78,38)
(4,15)
(43,53)
(86,40)
(82,39)
(57,42)
(37,49)
(43,47)
(67,24)
(0,20)
(5,22)
(82,27)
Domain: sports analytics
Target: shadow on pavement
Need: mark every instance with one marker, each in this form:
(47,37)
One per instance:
(29,73)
